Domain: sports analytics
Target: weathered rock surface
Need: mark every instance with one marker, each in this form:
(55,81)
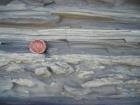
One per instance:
(94,49)
(83,77)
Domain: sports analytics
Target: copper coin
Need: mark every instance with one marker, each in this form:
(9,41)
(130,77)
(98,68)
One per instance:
(37,46)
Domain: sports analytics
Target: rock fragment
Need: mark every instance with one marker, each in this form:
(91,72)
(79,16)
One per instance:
(61,68)
(24,82)
(42,71)
(101,82)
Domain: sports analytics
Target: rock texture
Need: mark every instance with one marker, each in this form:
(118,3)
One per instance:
(55,76)
(93,49)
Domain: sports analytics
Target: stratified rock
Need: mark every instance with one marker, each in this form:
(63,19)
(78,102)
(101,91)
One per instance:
(89,65)
(103,91)
(101,82)
(93,64)
(5,84)
(85,74)
(38,2)
(106,90)
(71,59)
(77,92)
(71,2)
(126,60)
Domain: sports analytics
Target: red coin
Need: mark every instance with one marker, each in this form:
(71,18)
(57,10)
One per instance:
(37,46)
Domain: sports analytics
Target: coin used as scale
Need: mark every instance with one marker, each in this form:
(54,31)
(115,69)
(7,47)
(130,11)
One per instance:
(37,46)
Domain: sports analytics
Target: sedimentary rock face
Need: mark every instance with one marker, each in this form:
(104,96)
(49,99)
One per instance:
(116,2)
(78,2)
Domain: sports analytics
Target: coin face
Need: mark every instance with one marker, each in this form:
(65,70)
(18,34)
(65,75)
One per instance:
(37,46)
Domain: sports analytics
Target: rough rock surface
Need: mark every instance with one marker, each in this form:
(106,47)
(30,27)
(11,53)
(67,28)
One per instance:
(93,49)
(90,77)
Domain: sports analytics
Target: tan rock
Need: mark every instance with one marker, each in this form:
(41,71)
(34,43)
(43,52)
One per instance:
(101,82)
(61,68)
(85,74)
(42,71)
(24,82)
(13,67)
